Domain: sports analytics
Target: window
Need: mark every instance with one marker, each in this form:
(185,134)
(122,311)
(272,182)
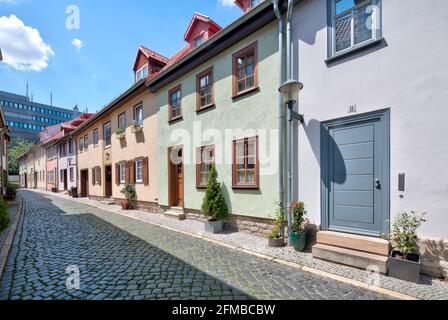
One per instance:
(122,121)
(245,163)
(86,142)
(245,70)
(50,176)
(139,171)
(138,115)
(81,145)
(205,157)
(142,73)
(199,40)
(107,135)
(96,176)
(95,137)
(204,89)
(175,98)
(70,147)
(72,174)
(122,173)
(354,23)
(62,175)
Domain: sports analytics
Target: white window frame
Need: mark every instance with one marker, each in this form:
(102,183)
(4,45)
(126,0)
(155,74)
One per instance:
(376,26)
(122,173)
(139,122)
(140,71)
(139,163)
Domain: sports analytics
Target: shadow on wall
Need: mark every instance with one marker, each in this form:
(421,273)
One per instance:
(435,257)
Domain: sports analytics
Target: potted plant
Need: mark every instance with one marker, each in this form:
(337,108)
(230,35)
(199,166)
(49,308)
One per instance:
(275,237)
(10,192)
(136,127)
(74,192)
(214,206)
(404,261)
(120,134)
(54,190)
(299,231)
(130,195)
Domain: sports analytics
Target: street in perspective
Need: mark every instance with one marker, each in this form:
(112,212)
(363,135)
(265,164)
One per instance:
(253,152)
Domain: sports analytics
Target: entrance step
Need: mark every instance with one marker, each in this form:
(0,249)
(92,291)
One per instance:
(354,242)
(108,202)
(350,257)
(175,213)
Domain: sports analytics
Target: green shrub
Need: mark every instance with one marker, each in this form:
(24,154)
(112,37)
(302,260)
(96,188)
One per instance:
(404,232)
(10,191)
(119,131)
(129,192)
(214,205)
(279,221)
(4,217)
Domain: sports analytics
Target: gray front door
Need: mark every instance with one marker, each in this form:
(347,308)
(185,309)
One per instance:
(355,174)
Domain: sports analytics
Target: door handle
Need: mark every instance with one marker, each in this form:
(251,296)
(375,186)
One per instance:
(378,184)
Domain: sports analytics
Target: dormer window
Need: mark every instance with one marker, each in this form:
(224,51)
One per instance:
(142,73)
(199,40)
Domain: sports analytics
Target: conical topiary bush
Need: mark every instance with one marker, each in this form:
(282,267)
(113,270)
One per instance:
(214,205)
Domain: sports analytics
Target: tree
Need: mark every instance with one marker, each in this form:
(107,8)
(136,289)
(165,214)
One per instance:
(18,147)
(214,204)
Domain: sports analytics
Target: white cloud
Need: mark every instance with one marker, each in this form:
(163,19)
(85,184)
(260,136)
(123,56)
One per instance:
(78,44)
(227,3)
(8,1)
(22,46)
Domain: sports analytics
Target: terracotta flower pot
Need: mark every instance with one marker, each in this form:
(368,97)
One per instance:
(125,204)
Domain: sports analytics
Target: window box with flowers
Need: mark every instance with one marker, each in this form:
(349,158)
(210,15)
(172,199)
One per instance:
(120,134)
(136,128)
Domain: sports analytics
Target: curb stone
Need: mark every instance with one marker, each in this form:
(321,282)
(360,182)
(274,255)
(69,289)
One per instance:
(6,246)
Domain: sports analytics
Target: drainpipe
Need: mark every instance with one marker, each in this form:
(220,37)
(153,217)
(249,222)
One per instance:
(290,111)
(281,118)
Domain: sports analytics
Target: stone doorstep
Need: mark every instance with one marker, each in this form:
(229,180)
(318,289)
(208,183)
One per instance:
(354,242)
(350,257)
(175,214)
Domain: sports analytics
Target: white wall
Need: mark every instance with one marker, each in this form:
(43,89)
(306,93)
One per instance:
(409,75)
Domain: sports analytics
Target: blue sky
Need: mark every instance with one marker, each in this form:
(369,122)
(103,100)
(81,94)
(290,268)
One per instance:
(38,48)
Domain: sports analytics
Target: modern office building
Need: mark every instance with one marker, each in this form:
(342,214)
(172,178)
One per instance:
(27,118)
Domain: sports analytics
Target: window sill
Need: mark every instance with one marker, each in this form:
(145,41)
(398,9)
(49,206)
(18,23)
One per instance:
(245,92)
(246,187)
(354,51)
(201,187)
(107,147)
(205,108)
(174,120)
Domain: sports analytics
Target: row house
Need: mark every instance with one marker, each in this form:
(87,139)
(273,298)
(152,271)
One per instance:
(4,142)
(118,145)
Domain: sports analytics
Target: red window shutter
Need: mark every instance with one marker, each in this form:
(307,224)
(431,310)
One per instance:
(127,174)
(117,174)
(145,171)
(132,171)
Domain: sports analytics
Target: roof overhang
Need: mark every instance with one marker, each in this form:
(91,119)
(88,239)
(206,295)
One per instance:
(227,37)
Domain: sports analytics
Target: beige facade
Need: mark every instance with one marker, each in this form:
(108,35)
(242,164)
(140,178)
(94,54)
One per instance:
(40,160)
(134,146)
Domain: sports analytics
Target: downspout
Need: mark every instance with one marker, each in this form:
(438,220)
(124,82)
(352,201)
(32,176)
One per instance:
(281,118)
(289,120)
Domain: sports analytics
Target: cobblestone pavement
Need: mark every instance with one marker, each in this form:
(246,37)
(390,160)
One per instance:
(121,258)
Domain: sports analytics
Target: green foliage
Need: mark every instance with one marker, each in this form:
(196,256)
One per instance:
(18,147)
(4,217)
(299,217)
(119,131)
(279,221)
(214,204)
(404,232)
(129,192)
(10,191)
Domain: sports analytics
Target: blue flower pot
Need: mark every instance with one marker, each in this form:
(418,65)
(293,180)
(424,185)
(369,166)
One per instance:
(298,240)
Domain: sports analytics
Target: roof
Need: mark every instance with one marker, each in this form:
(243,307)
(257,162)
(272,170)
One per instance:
(149,54)
(197,17)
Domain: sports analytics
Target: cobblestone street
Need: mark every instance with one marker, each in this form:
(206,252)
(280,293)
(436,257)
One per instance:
(122,258)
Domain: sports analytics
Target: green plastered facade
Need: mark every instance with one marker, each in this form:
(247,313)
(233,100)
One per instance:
(257,111)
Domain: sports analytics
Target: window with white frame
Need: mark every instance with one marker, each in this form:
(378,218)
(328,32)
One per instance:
(353,24)
(142,73)
(138,115)
(139,171)
(122,173)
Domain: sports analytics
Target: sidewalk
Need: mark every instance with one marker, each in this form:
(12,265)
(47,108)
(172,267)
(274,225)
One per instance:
(431,289)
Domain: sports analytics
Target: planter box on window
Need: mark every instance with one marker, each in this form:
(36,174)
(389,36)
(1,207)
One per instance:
(121,136)
(136,129)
